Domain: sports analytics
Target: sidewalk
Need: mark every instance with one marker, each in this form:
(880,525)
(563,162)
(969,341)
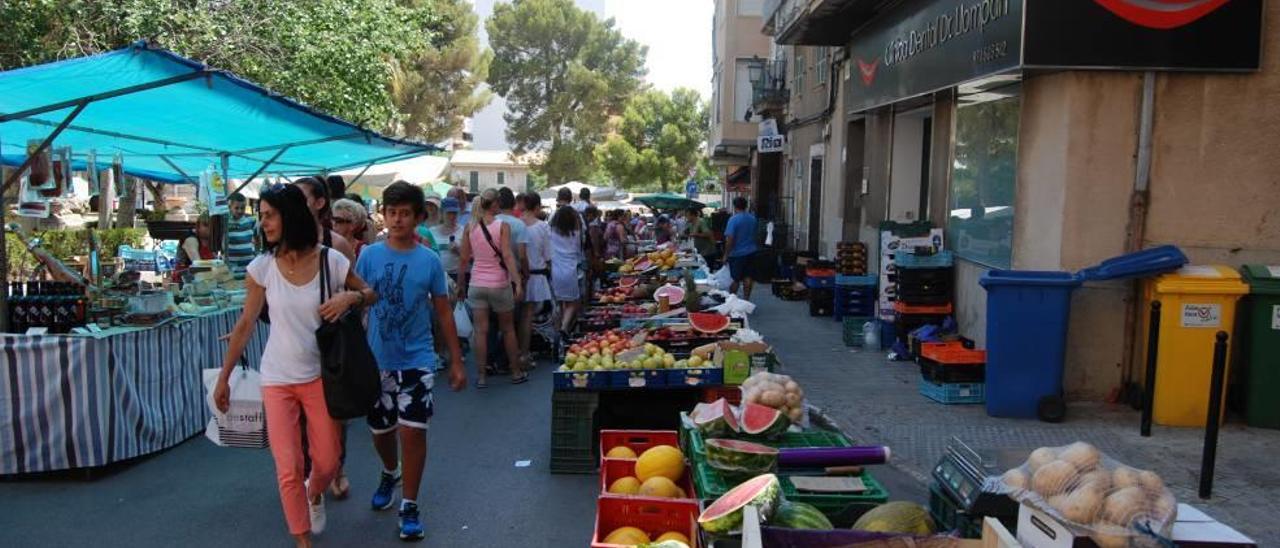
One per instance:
(876,401)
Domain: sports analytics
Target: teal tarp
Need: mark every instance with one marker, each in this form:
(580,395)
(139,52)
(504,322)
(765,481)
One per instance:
(191,123)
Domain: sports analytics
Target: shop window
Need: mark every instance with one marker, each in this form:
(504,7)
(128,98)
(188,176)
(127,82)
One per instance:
(502,178)
(984,176)
(820,67)
(475,181)
(742,93)
(798,74)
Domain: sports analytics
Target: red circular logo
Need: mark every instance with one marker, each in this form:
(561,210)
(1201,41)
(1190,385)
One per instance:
(1161,14)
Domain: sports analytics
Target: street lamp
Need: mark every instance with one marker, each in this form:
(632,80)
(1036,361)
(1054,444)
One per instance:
(755,71)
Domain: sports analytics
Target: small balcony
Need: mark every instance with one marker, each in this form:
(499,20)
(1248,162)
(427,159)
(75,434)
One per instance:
(816,22)
(769,91)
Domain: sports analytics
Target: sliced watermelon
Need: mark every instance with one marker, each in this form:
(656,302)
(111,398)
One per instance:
(725,514)
(628,281)
(798,515)
(715,419)
(674,293)
(708,322)
(742,457)
(763,422)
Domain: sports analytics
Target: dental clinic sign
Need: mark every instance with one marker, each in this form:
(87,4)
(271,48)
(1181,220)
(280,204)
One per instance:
(922,46)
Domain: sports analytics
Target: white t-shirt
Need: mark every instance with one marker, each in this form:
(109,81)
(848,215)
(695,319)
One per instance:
(291,355)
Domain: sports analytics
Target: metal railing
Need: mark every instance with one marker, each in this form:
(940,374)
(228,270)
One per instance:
(771,88)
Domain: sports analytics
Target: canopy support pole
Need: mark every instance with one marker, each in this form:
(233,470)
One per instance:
(264,167)
(178,169)
(31,158)
(361,174)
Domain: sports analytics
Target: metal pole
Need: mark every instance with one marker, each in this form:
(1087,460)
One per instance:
(1214,420)
(1153,349)
(44,145)
(260,170)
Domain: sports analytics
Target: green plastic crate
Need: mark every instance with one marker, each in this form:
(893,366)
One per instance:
(853,329)
(691,439)
(711,486)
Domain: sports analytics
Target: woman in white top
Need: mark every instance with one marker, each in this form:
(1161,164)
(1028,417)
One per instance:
(287,280)
(566,256)
(538,287)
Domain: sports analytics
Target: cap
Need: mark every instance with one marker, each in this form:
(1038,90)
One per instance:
(451,204)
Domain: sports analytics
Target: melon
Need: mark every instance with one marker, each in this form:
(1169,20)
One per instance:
(627,536)
(673,293)
(896,517)
(660,460)
(725,514)
(659,486)
(715,419)
(625,486)
(628,281)
(708,322)
(669,543)
(741,456)
(672,535)
(620,452)
(798,515)
(762,422)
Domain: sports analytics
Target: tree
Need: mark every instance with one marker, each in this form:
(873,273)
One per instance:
(334,55)
(659,139)
(436,88)
(564,74)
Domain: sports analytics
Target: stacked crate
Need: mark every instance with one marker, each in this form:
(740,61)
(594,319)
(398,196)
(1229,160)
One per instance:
(922,290)
(851,258)
(952,373)
(855,305)
(820,280)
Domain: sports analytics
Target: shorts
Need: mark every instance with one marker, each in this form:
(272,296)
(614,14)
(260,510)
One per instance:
(497,299)
(405,399)
(741,268)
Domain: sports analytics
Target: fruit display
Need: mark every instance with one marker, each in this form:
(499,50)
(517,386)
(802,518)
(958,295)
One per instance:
(897,517)
(615,350)
(738,457)
(715,419)
(776,391)
(799,515)
(707,322)
(725,514)
(663,259)
(662,461)
(673,293)
(762,422)
(1106,499)
(615,295)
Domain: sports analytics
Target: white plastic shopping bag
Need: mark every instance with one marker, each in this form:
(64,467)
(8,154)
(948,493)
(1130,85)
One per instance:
(462,320)
(245,422)
(723,278)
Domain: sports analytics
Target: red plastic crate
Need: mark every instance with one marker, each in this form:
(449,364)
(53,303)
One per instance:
(904,308)
(637,440)
(613,469)
(732,394)
(952,353)
(653,516)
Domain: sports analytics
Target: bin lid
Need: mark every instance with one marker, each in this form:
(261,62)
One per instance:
(1139,264)
(993,278)
(1262,279)
(1203,279)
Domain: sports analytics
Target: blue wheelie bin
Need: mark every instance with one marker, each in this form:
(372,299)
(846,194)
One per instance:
(1027,316)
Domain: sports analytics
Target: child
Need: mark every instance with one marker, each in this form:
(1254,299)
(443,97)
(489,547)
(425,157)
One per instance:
(415,287)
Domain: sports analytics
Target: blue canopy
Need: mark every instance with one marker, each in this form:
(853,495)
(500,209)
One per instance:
(171,118)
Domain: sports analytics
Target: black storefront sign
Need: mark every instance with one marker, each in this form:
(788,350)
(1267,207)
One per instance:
(922,46)
(1206,35)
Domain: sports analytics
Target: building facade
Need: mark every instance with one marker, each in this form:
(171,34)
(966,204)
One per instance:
(480,170)
(737,45)
(1037,146)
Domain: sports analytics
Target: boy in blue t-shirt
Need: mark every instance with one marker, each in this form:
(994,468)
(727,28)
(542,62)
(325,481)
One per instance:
(412,291)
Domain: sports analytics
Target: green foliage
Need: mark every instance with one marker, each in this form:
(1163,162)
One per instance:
(65,244)
(335,55)
(564,74)
(659,140)
(439,86)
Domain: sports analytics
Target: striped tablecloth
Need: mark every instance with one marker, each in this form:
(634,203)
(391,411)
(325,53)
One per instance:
(71,401)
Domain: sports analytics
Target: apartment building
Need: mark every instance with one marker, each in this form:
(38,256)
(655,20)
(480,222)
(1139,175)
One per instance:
(737,45)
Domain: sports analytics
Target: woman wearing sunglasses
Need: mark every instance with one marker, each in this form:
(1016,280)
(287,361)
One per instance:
(349,219)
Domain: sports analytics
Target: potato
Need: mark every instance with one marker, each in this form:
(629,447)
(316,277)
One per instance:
(791,386)
(1124,477)
(1099,479)
(1040,457)
(1106,535)
(1082,505)
(1057,502)
(795,414)
(773,398)
(793,399)
(1165,508)
(1124,505)
(1152,482)
(1053,478)
(1082,455)
(1015,478)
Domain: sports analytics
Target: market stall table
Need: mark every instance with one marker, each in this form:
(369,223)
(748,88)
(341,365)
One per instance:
(83,401)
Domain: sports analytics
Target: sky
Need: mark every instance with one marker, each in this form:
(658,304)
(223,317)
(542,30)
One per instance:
(677,32)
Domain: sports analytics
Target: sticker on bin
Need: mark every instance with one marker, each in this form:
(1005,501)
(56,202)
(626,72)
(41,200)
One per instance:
(1275,317)
(1201,315)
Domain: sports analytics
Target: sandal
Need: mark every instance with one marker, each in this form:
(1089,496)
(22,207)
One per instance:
(523,378)
(340,488)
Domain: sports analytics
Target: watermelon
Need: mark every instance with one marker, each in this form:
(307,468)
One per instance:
(725,514)
(763,422)
(798,515)
(708,322)
(741,456)
(674,293)
(628,281)
(715,419)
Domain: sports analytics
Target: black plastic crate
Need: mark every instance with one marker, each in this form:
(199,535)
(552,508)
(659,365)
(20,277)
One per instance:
(573,433)
(922,276)
(821,302)
(942,373)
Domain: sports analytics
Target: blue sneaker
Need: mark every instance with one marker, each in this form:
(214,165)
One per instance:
(410,526)
(385,496)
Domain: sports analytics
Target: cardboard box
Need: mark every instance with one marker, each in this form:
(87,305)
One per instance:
(736,359)
(1193,528)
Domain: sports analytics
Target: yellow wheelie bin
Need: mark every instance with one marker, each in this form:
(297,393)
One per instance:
(1196,302)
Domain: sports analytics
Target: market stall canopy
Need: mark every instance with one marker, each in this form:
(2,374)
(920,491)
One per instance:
(171,118)
(598,194)
(419,171)
(668,201)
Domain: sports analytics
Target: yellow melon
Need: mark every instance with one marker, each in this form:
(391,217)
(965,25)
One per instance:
(659,486)
(621,452)
(625,486)
(673,535)
(627,536)
(660,460)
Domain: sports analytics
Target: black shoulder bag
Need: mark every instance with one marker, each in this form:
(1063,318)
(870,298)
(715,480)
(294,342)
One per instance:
(347,366)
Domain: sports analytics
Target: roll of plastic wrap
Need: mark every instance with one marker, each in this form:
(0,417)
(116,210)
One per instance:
(833,456)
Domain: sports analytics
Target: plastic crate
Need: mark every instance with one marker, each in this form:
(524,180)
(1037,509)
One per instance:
(953,353)
(711,485)
(821,302)
(637,378)
(949,517)
(732,394)
(789,440)
(820,282)
(941,259)
(853,333)
(906,309)
(573,447)
(637,440)
(943,373)
(954,393)
(921,276)
(613,469)
(654,516)
(705,376)
(581,380)
(860,281)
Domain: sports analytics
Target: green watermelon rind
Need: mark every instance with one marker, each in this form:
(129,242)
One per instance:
(733,460)
(775,429)
(799,515)
(766,498)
